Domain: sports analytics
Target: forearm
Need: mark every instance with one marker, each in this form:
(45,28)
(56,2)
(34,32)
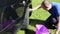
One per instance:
(58,26)
(39,6)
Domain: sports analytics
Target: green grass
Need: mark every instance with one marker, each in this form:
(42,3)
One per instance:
(37,17)
(41,14)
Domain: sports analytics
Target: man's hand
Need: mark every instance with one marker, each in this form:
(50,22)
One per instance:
(58,26)
(39,6)
(31,9)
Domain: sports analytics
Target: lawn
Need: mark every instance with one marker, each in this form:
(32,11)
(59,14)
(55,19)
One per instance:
(37,17)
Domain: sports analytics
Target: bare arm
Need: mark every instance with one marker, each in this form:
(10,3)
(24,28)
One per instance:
(58,26)
(39,6)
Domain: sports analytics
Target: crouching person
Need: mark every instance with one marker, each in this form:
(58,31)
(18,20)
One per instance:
(54,9)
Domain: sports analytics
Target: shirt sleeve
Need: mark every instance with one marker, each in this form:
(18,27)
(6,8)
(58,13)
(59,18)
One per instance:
(58,10)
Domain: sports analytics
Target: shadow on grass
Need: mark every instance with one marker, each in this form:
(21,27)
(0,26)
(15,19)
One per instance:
(33,22)
(27,31)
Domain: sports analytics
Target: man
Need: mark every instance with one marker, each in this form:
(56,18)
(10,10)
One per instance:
(54,9)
